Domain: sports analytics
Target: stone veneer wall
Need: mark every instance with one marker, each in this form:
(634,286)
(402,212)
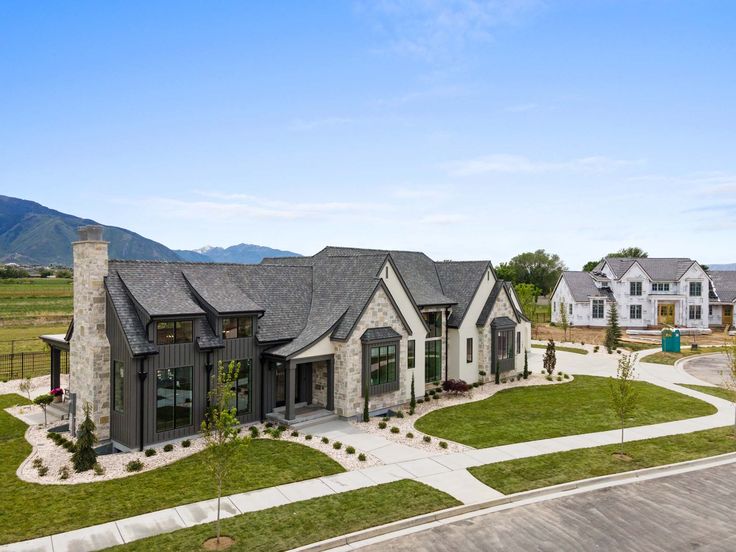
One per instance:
(319,383)
(501,308)
(349,361)
(89,349)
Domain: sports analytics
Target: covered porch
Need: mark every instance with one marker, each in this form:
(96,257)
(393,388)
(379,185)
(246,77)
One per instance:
(57,343)
(298,391)
(503,330)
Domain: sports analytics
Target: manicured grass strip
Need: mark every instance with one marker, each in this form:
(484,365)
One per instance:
(564,349)
(720,392)
(671,358)
(515,476)
(309,521)
(544,411)
(635,346)
(30,510)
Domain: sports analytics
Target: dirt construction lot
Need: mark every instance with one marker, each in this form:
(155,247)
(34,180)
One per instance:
(596,336)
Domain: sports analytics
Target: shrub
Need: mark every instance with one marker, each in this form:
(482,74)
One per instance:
(456,386)
(84,456)
(186,443)
(438,389)
(413,399)
(410,435)
(427,439)
(432,392)
(549,378)
(254,432)
(481,372)
(443,444)
(559,378)
(382,425)
(596,348)
(618,351)
(394,429)
(350,450)
(400,414)
(361,457)
(475,384)
(282,428)
(566,376)
(43,470)
(64,472)
(68,445)
(436,397)
(269,424)
(276,433)
(150,452)
(337,445)
(503,380)
(325,440)
(37,463)
(426,395)
(582,343)
(99,470)
(436,383)
(168,447)
(308,437)
(295,434)
(134,466)
(420,401)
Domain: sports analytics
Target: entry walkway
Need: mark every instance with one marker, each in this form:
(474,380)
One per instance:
(446,472)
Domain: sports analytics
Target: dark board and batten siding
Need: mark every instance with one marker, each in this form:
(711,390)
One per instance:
(123,425)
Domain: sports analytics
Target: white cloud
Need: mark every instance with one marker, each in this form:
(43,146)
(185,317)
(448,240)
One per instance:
(518,164)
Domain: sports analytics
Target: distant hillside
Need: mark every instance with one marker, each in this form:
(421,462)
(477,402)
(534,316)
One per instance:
(241,253)
(730,266)
(33,234)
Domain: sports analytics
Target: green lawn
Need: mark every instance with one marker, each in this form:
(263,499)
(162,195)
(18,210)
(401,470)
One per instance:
(634,346)
(720,392)
(309,521)
(536,472)
(577,350)
(671,358)
(544,411)
(30,510)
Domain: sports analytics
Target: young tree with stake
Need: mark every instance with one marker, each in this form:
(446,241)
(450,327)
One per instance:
(43,401)
(219,430)
(564,322)
(624,395)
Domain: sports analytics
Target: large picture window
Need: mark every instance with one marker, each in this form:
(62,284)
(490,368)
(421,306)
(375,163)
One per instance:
(118,386)
(433,360)
(434,321)
(173,398)
(383,364)
(598,308)
(233,328)
(505,341)
(179,331)
(241,401)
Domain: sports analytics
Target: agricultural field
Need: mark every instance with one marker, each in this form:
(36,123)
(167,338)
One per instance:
(30,307)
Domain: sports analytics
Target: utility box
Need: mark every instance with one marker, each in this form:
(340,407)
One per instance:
(670,341)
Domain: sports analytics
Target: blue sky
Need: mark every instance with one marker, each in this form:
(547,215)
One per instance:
(464,129)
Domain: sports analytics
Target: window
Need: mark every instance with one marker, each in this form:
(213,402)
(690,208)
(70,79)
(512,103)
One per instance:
(433,360)
(695,311)
(383,364)
(118,386)
(518,343)
(635,312)
(505,341)
(173,398)
(411,353)
(241,387)
(434,321)
(554,307)
(570,309)
(233,328)
(696,289)
(710,310)
(469,350)
(660,286)
(174,332)
(634,288)
(598,308)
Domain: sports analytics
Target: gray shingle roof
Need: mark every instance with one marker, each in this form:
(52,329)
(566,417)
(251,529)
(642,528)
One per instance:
(133,328)
(206,338)
(724,282)
(220,288)
(379,334)
(485,312)
(460,280)
(582,286)
(658,269)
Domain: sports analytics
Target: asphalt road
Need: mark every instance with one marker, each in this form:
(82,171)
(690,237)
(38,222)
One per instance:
(711,368)
(688,512)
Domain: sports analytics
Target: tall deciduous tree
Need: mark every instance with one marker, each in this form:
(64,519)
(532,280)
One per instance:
(631,252)
(550,358)
(85,457)
(219,430)
(590,265)
(534,267)
(624,395)
(613,332)
(528,295)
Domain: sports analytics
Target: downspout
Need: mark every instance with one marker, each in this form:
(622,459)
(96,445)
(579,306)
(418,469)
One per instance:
(141,397)
(208,368)
(447,339)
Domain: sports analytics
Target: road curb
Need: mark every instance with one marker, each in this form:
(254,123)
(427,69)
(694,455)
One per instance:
(591,483)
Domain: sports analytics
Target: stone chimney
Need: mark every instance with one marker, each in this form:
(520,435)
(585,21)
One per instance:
(89,358)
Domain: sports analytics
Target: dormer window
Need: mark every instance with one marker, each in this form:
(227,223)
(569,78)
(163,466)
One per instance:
(233,328)
(168,333)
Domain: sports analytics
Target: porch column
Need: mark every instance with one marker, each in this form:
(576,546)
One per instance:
(290,390)
(55,368)
(331,384)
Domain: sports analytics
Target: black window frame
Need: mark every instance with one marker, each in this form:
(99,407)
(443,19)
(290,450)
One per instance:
(518,343)
(118,378)
(434,322)
(176,327)
(435,359)
(174,419)
(699,288)
(245,364)
(411,354)
(695,312)
(389,384)
(635,289)
(635,310)
(243,326)
(469,350)
(602,304)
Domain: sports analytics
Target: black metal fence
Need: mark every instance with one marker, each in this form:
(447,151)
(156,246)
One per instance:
(29,365)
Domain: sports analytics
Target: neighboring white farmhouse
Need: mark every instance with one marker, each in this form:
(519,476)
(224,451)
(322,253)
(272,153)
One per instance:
(723,298)
(647,292)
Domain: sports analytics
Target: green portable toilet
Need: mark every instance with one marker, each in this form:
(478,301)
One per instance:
(670,341)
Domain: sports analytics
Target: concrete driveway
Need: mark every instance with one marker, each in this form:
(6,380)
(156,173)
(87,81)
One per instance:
(710,368)
(692,511)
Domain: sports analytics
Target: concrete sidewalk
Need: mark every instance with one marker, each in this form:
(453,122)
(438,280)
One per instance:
(446,472)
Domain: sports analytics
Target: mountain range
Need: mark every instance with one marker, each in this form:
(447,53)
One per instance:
(32,234)
(729,266)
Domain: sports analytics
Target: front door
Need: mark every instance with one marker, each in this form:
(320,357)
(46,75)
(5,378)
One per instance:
(666,314)
(302,372)
(727,315)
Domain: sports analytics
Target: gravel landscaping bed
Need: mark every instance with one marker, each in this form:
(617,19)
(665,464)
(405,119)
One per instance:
(406,426)
(39,385)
